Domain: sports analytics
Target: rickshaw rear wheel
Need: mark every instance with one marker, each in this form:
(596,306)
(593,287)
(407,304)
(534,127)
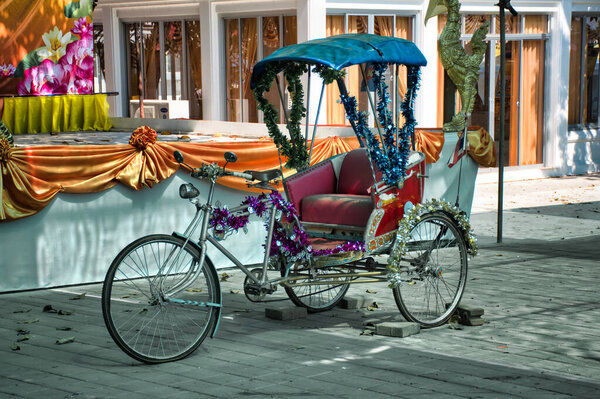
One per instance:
(434,271)
(309,293)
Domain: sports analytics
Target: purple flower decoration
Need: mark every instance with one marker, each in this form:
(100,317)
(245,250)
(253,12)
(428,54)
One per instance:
(7,71)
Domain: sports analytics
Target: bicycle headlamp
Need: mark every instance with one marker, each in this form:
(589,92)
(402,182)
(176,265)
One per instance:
(188,191)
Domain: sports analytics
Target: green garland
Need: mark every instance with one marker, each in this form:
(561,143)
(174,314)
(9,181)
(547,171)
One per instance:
(411,219)
(294,148)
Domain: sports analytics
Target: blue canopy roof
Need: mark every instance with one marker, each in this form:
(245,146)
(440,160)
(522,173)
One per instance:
(342,51)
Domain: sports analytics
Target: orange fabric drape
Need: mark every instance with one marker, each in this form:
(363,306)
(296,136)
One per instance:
(32,176)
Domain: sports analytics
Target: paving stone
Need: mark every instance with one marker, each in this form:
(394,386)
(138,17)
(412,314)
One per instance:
(470,310)
(472,321)
(397,329)
(285,312)
(355,301)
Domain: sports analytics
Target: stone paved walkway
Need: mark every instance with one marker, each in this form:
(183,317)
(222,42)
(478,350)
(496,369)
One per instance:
(540,340)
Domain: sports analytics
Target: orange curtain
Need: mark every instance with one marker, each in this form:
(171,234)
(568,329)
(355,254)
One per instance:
(32,176)
(194,51)
(335,110)
(575,71)
(249,47)
(403,31)
(232,72)
(354,79)
(440,76)
(512,99)
(532,93)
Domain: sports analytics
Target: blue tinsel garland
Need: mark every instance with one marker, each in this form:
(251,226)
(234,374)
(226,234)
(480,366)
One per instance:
(389,157)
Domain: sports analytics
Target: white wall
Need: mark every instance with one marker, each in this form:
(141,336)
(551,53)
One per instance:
(563,153)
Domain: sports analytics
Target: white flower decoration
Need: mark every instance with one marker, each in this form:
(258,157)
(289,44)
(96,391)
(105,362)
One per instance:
(56,44)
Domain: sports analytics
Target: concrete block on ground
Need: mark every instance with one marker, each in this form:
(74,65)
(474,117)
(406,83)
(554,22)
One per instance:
(470,310)
(470,315)
(285,312)
(355,302)
(472,321)
(397,329)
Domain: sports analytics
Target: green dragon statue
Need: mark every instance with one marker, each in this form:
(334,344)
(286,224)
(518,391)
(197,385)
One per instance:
(462,68)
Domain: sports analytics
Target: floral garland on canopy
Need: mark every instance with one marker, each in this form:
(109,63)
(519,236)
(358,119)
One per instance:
(290,241)
(411,219)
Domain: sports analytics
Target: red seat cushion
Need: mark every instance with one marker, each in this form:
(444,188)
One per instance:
(319,179)
(344,209)
(356,176)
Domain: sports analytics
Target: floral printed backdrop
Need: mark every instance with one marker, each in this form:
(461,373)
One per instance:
(46,47)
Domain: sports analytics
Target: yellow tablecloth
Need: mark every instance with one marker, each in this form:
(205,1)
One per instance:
(44,114)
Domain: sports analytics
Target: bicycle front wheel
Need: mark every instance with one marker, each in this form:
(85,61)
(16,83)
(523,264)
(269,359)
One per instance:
(436,265)
(158,302)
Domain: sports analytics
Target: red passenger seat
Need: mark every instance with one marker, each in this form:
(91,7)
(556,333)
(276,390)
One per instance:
(345,202)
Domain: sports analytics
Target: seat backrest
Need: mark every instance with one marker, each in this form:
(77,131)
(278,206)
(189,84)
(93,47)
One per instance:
(319,179)
(355,175)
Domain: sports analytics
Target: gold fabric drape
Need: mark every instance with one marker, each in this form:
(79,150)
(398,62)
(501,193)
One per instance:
(481,147)
(335,110)
(32,176)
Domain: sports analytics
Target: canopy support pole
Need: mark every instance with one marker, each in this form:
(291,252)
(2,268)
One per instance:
(377,124)
(502,4)
(396,104)
(312,141)
(344,92)
(283,107)
(307,109)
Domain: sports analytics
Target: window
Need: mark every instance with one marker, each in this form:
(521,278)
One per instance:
(248,40)
(99,70)
(164,63)
(383,25)
(584,66)
(524,98)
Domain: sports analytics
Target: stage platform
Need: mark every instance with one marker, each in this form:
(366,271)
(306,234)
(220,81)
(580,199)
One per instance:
(73,239)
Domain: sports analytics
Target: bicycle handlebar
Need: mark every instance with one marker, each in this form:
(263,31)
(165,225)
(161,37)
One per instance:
(243,175)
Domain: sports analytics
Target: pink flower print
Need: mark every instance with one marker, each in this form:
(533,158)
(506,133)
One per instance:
(82,28)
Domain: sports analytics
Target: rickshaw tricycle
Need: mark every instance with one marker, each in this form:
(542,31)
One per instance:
(353,218)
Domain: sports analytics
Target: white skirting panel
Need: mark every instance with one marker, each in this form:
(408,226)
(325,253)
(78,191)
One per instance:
(75,238)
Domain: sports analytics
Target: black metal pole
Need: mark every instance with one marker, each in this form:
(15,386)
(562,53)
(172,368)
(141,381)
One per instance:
(502,4)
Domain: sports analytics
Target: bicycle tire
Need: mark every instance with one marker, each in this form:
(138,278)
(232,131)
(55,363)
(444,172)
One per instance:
(315,298)
(145,323)
(431,291)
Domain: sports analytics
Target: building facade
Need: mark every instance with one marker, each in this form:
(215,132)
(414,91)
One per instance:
(197,55)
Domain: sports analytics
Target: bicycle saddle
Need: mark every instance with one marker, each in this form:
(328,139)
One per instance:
(264,176)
